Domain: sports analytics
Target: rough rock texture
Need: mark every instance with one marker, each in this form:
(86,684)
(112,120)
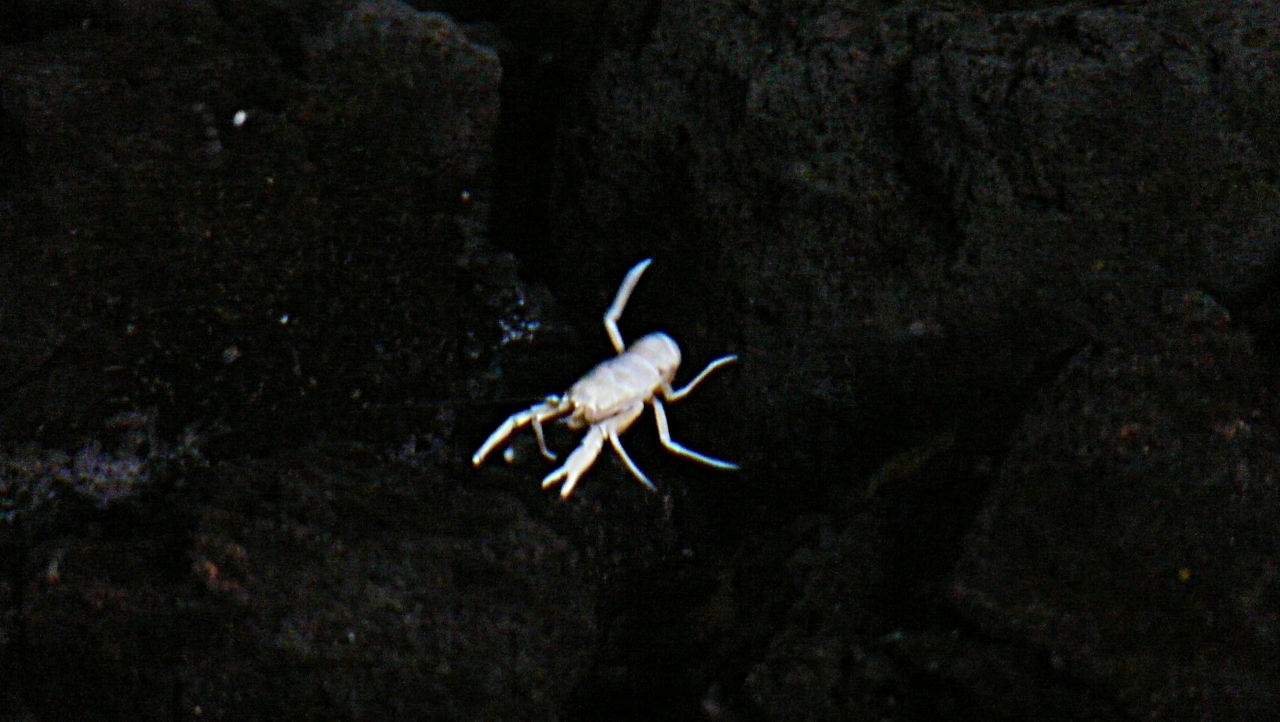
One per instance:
(1003,278)
(1001,283)
(229,231)
(872,179)
(264,274)
(367,593)
(1130,535)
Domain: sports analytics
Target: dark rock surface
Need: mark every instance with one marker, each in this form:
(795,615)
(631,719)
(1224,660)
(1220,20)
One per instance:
(1002,276)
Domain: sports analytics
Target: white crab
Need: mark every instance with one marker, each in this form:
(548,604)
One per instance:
(609,398)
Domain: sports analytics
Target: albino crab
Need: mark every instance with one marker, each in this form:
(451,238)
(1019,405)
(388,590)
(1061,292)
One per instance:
(609,398)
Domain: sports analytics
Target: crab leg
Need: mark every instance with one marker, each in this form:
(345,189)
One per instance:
(620,301)
(578,462)
(549,409)
(671,395)
(664,435)
(616,426)
(589,450)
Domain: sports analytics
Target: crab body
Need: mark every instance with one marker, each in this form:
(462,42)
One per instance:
(620,383)
(609,398)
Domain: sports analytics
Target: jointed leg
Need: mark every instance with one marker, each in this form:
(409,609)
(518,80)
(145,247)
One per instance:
(664,433)
(620,301)
(578,462)
(626,459)
(671,395)
(616,426)
(549,409)
(585,455)
(542,439)
(553,411)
